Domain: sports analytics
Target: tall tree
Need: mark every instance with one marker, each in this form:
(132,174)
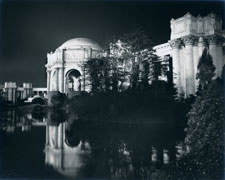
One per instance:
(205,70)
(97,70)
(136,59)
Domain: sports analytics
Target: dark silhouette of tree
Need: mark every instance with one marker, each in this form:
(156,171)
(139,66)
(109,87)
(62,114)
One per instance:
(205,70)
(206,123)
(98,71)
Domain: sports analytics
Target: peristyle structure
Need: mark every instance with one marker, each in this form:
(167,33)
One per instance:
(189,37)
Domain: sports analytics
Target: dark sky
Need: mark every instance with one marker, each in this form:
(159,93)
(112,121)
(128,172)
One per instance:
(31,29)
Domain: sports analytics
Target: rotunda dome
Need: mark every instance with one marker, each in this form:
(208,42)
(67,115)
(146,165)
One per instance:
(80,43)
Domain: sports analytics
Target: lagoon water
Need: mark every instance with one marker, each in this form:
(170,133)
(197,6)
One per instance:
(55,145)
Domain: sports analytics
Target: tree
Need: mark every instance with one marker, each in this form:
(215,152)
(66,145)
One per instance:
(206,122)
(136,60)
(205,70)
(98,70)
(58,100)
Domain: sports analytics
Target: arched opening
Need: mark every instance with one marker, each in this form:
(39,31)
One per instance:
(73,81)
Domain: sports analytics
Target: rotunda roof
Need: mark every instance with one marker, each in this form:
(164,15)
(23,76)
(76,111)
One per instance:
(80,43)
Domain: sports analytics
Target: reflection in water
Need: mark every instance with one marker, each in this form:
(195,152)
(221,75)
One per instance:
(84,149)
(94,150)
(65,159)
(12,120)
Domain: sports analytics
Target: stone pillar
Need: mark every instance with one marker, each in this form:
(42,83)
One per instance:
(189,65)
(57,79)
(61,79)
(213,52)
(56,137)
(175,44)
(195,60)
(11,91)
(48,80)
(60,136)
(9,94)
(220,62)
(26,89)
(62,72)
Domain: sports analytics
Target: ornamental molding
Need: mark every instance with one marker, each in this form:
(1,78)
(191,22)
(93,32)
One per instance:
(189,40)
(175,44)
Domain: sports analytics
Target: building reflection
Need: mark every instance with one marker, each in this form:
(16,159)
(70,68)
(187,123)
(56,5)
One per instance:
(65,158)
(14,119)
(92,150)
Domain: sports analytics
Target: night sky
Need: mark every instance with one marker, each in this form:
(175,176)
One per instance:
(31,29)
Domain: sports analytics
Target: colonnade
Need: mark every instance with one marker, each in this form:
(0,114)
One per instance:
(186,52)
(59,77)
(10,91)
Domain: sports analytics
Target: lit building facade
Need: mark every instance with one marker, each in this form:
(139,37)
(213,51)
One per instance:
(64,66)
(189,37)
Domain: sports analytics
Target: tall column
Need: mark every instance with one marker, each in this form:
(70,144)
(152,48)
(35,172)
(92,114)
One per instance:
(60,136)
(61,79)
(48,80)
(195,59)
(14,95)
(57,79)
(175,44)
(189,65)
(213,52)
(220,55)
(10,94)
(62,72)
(201,46)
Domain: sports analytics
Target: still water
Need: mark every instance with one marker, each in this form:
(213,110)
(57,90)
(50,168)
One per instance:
(54,145)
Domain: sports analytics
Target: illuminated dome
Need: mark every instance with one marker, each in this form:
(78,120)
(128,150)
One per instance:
(80,43)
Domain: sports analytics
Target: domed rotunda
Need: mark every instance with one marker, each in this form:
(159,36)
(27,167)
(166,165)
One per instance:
(64,65)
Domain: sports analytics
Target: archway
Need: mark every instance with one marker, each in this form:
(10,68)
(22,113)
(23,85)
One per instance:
(73,81)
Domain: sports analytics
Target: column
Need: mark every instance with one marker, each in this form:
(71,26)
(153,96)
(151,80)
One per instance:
(175,45)
(60,136)
(57,79)
(213,52)
(220,56)
(201,46)
(48,79)
(10,94)
(56,137)
(14,95)
(62,72)
(61,79)
(189,65)
(195,59)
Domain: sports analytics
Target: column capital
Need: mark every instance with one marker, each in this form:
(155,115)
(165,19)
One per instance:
(189,40)
(175,44)
(213,40)
(202,40)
